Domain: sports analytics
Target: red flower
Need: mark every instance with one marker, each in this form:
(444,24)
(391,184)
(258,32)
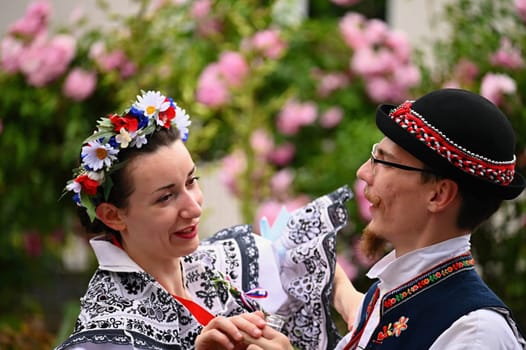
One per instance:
(167,115)
(89,186)
(128,122)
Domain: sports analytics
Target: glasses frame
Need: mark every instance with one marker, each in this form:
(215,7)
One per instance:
(375,161)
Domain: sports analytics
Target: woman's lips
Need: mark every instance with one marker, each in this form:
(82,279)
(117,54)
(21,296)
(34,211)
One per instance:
(188,232)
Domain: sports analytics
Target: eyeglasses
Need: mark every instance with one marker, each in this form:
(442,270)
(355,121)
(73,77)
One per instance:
(375,160)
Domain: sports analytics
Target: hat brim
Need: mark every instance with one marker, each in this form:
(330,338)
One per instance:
(439,164)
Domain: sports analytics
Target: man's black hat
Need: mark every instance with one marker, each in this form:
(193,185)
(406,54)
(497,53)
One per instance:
(460,135)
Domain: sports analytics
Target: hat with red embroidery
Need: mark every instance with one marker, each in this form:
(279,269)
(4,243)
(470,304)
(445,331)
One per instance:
(460,135)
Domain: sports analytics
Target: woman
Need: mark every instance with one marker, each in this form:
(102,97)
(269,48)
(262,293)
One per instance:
(156,287)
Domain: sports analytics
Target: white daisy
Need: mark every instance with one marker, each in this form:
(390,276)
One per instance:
(151,102)
(96,155)
(182,121)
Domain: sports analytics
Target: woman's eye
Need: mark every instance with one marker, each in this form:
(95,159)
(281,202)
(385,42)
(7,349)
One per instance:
(165,198)
(192,180)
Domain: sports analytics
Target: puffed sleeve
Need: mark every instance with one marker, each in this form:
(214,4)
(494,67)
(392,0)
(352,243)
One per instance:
(289,268)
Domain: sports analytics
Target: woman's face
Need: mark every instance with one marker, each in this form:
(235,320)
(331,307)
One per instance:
(164,209)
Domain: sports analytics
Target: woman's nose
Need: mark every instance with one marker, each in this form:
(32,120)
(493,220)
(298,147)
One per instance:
(192,205)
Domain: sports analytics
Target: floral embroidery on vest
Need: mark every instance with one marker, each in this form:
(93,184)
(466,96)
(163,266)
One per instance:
(392,329)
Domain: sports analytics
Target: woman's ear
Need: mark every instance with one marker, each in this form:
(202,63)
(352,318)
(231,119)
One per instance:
(445,191)
(109,215)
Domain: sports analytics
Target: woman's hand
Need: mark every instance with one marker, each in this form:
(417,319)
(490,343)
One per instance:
(270,339)
(229,333)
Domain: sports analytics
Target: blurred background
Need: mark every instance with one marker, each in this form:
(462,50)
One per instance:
(282,97)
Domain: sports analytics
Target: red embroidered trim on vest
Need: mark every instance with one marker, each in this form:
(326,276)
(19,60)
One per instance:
(495,171)
(426,280)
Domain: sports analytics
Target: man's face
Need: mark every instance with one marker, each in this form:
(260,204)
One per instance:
(397,199)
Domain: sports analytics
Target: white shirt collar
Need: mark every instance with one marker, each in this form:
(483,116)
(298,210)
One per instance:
(393,271)
(111,257)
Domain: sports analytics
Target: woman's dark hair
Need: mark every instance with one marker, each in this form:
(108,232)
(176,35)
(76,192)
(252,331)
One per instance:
(122,185)
(476,206)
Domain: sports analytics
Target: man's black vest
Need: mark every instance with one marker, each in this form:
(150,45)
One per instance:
(414,315)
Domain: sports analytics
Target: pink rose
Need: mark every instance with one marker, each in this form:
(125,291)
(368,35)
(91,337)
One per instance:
(520,5)
(262,142)
(128,68)
(331,82)
(79,84)
(369,61)
(112,60)
(379,89)
(46,61)
(351,28)
(507,56)
(375,31)
(11,51)
(495,86)
(211,89)
(231,166)
(283,154)
(295,115)
(201,8)
(282,181)
(233,68)
(34,22)
(269,43)
(399,44)
(331,117)
(465,71)
(406,76)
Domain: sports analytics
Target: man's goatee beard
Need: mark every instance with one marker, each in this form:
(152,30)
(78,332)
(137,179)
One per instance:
(372,245)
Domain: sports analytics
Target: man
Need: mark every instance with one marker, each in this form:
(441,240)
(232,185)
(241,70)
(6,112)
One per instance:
(444,166)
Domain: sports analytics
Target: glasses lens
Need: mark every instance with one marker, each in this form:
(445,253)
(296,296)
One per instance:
(373,158)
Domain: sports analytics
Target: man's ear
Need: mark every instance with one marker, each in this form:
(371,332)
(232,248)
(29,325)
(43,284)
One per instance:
(109,215)
(445,191)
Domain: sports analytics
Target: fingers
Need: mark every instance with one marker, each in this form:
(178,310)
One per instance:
(220,333)
(213,339)
(250,323)
(254,347)
(270,340)
(226,333)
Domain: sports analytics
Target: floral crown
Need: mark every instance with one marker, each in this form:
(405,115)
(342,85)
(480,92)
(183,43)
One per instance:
(151,112)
